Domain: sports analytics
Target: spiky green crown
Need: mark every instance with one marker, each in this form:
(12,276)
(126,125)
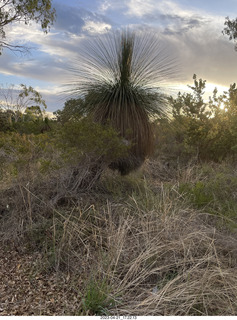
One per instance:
(123,68)
(119,75)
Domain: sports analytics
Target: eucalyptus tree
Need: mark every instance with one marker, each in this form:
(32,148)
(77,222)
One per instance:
(16,99)
(231,29)
(26,11)
(119,76)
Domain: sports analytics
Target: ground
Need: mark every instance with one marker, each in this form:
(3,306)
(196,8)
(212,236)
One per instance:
(24,292)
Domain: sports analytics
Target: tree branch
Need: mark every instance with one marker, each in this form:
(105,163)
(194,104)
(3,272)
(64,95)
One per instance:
(15,48)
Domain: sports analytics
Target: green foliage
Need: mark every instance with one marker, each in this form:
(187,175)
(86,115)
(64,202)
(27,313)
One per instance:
(31,124)
(73,111)
(230,28)
(17,99)
(22,110)
(202,129)
(21,153)
(96,299)
(198,193)
(214,192)
(31,96)
(85,137)
(11,11)
(5,121)
(73,144)
(191,105)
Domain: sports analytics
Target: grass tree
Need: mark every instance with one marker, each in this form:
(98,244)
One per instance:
(120,76)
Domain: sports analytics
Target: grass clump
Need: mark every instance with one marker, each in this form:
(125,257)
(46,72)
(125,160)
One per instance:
(96,298)
(155,247)
(198,193)
(214,191)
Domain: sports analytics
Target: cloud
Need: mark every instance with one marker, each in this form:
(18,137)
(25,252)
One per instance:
(104,6)
(78,20)
(153,8)
(69,19)
(43,68)
(174,24)
(72,24)
(96,27)
(51,52)
(141,8)
(194,37)
(206,52)
(168,15)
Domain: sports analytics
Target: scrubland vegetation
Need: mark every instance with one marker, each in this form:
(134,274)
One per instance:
(92,222)
(160,240)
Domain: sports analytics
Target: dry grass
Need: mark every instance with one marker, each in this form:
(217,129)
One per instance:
(146,251)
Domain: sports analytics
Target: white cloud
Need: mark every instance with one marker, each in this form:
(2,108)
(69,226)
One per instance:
(173,8)
(95,27)
(140,8)
(195,38)
(205,51)
(104,6)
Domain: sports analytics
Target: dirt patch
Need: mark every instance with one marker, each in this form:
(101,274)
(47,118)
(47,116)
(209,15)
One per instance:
(26,291)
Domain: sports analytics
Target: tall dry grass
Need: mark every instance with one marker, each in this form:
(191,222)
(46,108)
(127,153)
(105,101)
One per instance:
(136,243)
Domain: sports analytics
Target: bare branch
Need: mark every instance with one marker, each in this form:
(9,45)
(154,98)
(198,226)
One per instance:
(24,50)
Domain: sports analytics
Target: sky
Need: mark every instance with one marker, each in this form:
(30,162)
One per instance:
(192,30)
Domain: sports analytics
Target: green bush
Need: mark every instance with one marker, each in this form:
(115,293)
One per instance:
(198,193)
(199,129)
(85,137)
(215,191)
(21,154)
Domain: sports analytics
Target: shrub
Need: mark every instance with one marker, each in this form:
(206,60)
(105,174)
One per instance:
(77,138)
